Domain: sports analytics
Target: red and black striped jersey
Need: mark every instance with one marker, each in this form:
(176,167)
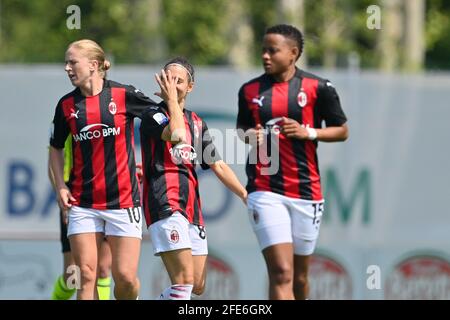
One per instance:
(306,98)
(104,169)
(170,180)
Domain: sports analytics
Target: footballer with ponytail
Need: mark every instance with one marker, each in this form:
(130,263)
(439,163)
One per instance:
(101,198)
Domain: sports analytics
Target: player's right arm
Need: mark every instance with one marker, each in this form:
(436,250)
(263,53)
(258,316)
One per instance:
(58,137)
(51,177)
(56,160)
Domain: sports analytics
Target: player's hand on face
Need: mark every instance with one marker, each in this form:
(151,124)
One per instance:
(168,86)
(292,129)
(255,136)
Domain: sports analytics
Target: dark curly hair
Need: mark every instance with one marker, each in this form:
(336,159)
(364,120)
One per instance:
(289,32)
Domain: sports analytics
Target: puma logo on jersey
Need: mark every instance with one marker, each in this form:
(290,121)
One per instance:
(259,101)
(74,114)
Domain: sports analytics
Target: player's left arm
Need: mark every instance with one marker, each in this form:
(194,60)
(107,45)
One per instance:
(137,102)
(210,159)
(292,129)
(229,179)
(333,134)
(329,110)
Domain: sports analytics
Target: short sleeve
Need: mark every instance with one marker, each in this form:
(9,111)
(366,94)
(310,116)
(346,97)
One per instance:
(244,119)
(329,105)
(59,129)
(154,120)
(137,102)
(209,154)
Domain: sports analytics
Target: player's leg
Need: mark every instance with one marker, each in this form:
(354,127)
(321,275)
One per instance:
(85,248)
(171,240)
(125,253)
(68,261)
(199,274)
(104,271)
(180,267)
(271,223)
(85,232)
(306,217)
(60,289)
(301,283)
(67,255)
(199,244)
(123,229)
(279,262)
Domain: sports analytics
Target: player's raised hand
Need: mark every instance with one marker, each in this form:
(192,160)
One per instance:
(168,85)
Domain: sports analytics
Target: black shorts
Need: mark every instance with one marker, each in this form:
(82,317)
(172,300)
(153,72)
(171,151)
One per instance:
(64,240)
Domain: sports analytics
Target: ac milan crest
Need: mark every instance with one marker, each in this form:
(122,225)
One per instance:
(112,107)
(174,236)
(302,98)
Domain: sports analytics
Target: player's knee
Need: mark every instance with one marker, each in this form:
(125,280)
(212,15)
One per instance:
(301,280)
(88,273)
(103,271)
(281,273)
(126,280)
(183,278)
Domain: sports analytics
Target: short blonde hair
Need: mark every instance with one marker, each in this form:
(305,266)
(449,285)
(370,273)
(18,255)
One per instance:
(93,52)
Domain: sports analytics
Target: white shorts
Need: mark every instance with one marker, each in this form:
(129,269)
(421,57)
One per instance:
(119,222)
(279,219)
(175,232)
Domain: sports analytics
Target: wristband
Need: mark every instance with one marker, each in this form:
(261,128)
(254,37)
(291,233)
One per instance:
(312,133)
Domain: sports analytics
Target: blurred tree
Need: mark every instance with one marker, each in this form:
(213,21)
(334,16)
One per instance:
(333,29)
(239,34)
(401,40)
(414,35)
(217,32)
(1,24)
(389,41)
(153,44)
(293,12)
(437,34)
(36,31)
(328,31)
(263,15)
(364,39)
(197,30)
(122,27)
(24,28)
